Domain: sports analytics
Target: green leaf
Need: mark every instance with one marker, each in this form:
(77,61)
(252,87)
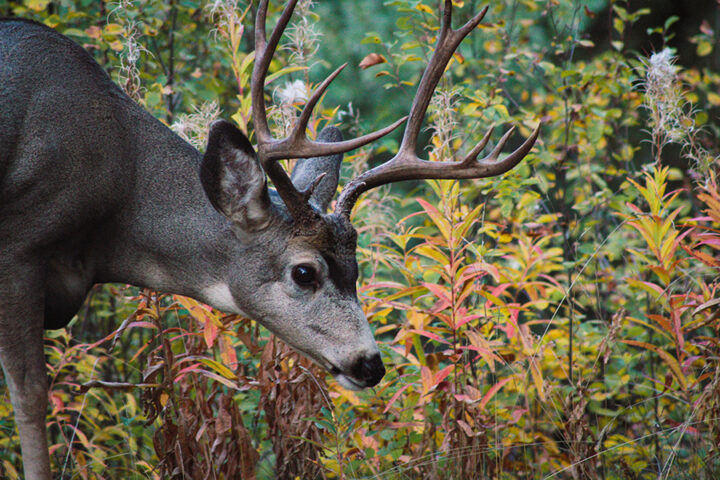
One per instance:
(704,48)
(670,21)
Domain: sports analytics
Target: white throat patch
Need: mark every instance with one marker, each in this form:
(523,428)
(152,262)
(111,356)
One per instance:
(219,296)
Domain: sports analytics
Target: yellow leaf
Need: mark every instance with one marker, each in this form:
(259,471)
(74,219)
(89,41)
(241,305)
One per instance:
(348,395)
(714,98)
(117,46)
(429,251)
(492,46)
(505,238)
(113,29)
(424,8)
(219,368)
(704,48)
(38,5)
(492,298)
(10,470)
(649,325)
(537,377)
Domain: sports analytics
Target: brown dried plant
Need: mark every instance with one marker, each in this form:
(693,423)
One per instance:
(293,390)
(201,433)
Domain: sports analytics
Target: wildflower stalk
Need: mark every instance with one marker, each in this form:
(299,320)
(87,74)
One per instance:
(671,115)
(303,37)
(193,127)
(664,99)
(129,74)
(443,106)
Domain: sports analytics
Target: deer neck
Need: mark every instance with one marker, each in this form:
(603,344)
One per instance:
(167,236)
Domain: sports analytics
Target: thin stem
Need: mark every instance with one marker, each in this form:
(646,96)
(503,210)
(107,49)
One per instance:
(171,61)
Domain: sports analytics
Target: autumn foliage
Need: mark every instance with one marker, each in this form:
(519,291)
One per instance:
(562,321)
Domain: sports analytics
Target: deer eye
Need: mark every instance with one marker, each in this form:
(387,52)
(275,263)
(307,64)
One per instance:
(305,275)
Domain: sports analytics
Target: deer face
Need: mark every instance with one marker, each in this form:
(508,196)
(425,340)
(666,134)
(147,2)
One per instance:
(314,303)
(300,278)
(310,301)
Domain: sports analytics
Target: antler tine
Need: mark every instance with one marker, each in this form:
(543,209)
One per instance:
(303,148)
(264,52)
(302,121)
(500,145)
(495,168)
(447,43)
(297,145)
(307,193)
(404,168)
(479,147)
(406,165)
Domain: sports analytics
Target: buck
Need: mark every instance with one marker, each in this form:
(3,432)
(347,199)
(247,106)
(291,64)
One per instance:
(94,189)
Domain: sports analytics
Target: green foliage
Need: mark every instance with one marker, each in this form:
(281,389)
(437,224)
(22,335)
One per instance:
(558,322)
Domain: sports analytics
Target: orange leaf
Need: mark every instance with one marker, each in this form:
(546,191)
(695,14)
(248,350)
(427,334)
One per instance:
(210,333)
(372,59)
(669,360)
(440,222)
(703,257)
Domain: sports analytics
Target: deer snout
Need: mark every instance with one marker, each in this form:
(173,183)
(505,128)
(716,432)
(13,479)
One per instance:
(369,370)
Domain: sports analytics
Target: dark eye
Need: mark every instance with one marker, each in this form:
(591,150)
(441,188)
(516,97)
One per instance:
(305,275)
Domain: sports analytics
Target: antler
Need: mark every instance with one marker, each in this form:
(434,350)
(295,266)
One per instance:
(406,165)
(296,144)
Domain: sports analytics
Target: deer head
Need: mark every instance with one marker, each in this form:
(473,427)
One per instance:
(306,293)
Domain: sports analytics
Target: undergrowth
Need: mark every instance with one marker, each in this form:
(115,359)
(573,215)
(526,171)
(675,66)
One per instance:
(559,322)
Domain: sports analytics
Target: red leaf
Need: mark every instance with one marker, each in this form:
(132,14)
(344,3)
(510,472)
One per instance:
(395,396)
(493,390)
(210,333)
(438,290)
(431,335)
(142,325)
(440,376)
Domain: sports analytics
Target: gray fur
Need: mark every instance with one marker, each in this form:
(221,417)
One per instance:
(93,189)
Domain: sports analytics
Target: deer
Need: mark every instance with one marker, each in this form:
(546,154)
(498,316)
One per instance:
(94,189)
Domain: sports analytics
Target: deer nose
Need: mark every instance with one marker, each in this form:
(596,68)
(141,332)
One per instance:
(369,369)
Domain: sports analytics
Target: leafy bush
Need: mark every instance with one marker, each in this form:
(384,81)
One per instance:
(558,322)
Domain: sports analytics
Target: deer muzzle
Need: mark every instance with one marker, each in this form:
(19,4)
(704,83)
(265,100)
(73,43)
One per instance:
(365,371)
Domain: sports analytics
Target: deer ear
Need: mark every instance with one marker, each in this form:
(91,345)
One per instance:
(307,170)
(233,179)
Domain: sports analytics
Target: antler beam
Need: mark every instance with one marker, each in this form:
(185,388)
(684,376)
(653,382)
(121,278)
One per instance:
(406,165)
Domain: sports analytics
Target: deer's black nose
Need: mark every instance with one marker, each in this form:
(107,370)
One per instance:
(369,370)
